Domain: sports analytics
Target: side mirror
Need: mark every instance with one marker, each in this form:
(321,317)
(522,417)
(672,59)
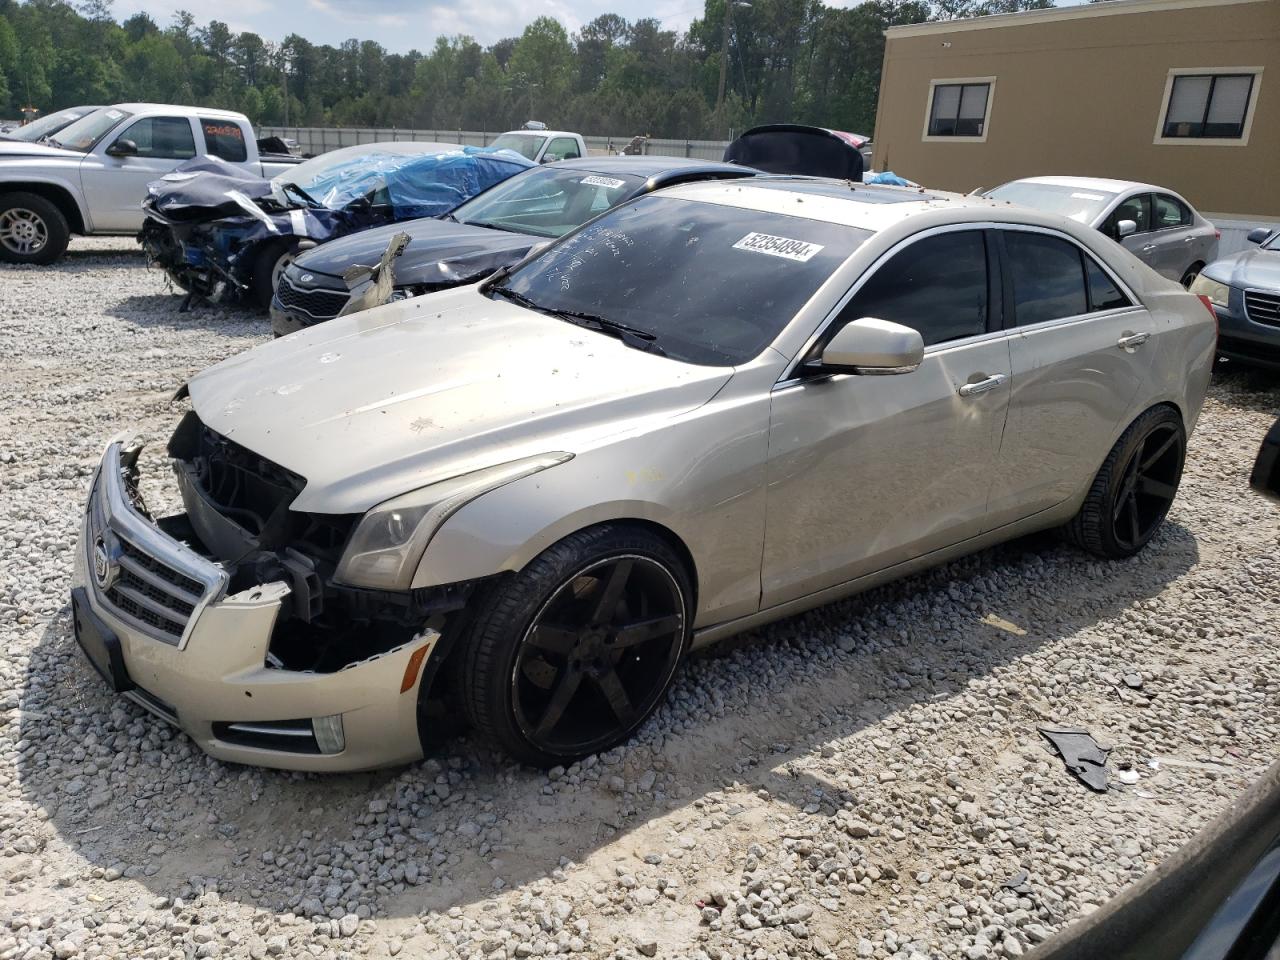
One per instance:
(1258,235)
(872,346)
(1126,228)
(123,148)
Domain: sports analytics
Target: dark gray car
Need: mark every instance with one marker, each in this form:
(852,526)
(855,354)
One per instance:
(1245,292)
(488,232)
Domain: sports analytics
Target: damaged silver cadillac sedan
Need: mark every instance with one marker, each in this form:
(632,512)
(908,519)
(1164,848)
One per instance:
(524,501)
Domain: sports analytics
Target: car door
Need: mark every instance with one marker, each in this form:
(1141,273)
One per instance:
(1082,346)
(869,471)
(115,185)
(1178,240)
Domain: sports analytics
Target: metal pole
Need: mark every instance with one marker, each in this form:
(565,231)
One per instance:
(724,56)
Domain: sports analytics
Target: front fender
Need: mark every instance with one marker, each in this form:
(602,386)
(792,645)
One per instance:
(19,174)
(700,477)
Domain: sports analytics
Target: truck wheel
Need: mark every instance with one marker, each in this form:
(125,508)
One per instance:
(268,264)
(570,655)
(1134,489)
(32,230)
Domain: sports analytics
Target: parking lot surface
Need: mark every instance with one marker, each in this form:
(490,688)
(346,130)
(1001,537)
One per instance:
(865,780)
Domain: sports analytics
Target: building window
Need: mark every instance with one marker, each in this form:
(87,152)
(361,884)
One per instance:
(1208,105)
(959,109)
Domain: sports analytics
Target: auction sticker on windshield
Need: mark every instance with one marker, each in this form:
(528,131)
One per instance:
(783,247)
(594,181)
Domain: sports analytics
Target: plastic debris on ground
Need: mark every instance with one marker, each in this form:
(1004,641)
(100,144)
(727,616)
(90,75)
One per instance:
(1082,754)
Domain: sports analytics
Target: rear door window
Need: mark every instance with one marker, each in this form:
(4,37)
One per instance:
(1167,211)
(937,285)
(1047,275)
(224,139)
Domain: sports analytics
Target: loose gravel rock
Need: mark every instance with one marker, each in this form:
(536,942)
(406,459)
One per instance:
(862,781)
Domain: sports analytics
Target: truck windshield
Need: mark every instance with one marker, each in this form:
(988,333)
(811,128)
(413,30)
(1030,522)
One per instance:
(547,201)
(700,282)
(521,143)
(47,125)
(85,133)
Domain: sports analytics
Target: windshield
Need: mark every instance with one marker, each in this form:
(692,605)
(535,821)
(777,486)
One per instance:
(1078,203)
(89,129)
(1273,243)
(700,282)
(46,125)
(548,201)
(322,176)
(522,144)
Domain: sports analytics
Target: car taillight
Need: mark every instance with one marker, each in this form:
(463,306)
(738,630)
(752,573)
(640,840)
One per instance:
(1208,305)
(1217,234)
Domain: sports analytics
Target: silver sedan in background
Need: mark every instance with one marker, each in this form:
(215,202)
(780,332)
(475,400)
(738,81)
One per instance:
(1153,223)
(713,406)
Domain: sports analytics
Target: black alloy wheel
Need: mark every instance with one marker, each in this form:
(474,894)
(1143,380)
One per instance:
(1148,485)
(1132,492)
(598,656)
(571,654)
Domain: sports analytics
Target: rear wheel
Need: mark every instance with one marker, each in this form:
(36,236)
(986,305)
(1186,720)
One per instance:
(570,655)
(32,229)
(1189,277)
(1133,491)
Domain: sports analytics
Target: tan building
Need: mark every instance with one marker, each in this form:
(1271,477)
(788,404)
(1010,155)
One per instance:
(1181,93)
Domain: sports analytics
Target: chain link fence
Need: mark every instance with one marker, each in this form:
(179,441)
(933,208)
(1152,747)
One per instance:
(317,140)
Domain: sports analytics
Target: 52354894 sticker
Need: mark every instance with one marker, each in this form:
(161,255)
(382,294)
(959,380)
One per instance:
(784,247)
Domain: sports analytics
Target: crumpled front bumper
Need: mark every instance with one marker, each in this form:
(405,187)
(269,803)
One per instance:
(196,656)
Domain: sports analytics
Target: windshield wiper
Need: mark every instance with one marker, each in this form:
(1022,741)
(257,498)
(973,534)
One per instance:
(631,336)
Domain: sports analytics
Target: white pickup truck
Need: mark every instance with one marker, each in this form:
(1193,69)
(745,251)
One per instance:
(541,145)
(91,177)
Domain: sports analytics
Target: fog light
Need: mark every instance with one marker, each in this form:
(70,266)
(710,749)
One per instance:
(328,731)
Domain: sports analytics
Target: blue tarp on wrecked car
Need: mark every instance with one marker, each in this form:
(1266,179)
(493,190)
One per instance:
(212,226)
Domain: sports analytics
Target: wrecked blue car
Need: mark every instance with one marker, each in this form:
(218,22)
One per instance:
(223,235)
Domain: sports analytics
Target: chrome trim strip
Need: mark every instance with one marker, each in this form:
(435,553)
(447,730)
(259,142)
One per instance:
(261,730)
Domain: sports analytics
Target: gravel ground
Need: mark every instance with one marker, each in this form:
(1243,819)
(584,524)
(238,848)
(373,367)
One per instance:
(862,781)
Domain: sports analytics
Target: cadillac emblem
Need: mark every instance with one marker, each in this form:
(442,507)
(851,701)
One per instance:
(104,569)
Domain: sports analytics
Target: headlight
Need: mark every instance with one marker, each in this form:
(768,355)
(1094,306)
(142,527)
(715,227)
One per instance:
(1218,293)
(391,538)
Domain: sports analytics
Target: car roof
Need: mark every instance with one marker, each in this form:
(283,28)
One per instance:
(537,133)
(1094,183)
(649,166)
(177,108)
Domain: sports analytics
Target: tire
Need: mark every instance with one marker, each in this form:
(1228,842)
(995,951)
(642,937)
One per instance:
(267,266)
(546,677)
(1189,277)
(1133,491)
(32,229)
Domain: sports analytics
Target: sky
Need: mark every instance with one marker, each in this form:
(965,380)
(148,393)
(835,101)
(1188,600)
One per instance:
(403,25)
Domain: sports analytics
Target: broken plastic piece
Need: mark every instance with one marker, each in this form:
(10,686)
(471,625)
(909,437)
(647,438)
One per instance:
(1082,755)
(373,286)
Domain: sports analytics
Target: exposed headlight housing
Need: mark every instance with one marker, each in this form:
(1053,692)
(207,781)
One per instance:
(390,539)
(1218,293)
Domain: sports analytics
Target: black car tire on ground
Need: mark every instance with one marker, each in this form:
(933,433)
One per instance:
(268,264)
(1189,277)
(568,656)
(1134,489)
(22,212)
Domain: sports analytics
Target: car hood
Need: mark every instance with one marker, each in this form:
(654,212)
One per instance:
(21,150)
(440,252)
(373,405)
(1254,267)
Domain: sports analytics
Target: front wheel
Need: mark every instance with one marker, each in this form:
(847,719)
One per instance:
(269,263)
(573,653)
(32,229)
(1133,491)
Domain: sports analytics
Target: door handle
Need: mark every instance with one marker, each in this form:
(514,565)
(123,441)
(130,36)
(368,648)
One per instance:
(1148,248)
(1131,341)
(1188,239)
(982,386)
